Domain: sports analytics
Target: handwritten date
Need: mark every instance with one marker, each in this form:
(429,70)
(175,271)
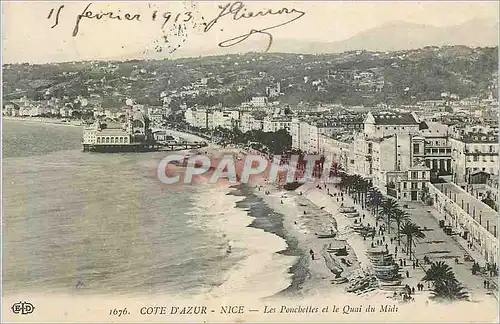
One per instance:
(230,12)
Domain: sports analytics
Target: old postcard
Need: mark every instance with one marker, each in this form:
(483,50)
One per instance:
(265,161)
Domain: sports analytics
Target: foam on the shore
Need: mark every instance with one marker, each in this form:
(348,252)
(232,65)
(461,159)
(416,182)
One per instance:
(260,271)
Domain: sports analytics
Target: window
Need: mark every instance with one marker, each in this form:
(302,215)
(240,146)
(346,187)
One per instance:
(416,149)
(404,186)
(413,185)
(414,175)
(423,175)
(98,140)
(475,158)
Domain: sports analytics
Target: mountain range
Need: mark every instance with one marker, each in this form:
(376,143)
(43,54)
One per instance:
(391,36)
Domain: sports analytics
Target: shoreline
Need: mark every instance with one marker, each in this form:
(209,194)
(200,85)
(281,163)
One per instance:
(43,120)
(310,277)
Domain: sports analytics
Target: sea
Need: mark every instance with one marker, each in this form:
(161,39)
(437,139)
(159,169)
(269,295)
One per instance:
(94,223)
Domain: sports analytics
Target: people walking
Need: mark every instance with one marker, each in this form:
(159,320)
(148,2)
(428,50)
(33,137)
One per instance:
(407,274)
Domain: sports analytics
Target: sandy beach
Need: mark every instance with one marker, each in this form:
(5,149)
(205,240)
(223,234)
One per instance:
(322,211)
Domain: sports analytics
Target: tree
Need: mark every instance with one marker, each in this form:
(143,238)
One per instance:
(445,285)
(388,208)
(426,197)
(399,216)
(412,232)
(375,199)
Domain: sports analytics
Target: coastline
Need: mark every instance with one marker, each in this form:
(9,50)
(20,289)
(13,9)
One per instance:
(301,219)
(43,120)
(309,277)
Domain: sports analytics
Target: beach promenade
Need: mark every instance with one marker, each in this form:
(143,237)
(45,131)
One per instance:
(437,246)
(313,207)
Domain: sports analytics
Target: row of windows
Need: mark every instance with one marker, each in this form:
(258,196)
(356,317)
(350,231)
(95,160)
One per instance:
(438,151)
(112,139)
(413,185)
(475,158)
(386,128)
(414,175)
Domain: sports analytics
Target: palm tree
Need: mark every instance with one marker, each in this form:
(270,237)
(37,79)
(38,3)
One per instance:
(357,186)
(445,285)
(388,208)
(399,216)
(412,232)
(375,199)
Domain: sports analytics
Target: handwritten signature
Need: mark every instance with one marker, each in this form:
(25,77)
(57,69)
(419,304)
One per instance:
(238,11)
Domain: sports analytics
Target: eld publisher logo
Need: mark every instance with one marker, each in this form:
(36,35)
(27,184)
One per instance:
(23,308)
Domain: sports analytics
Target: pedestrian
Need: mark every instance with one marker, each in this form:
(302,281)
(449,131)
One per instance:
(404,262)
(373,245)
(407,274)
(416,262)
(413,290)
(386,246)
(401,262)
(311,252)
(391,240)
(395,249)
(484,284)
(363,216)
(487,285)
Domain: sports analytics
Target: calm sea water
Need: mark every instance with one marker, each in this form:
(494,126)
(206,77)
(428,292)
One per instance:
(105,221)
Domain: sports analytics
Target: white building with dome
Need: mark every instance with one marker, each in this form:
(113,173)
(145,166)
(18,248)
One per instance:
(134,135)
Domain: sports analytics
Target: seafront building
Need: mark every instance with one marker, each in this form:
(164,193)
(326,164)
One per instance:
(473,221)
(406,158)
(133,135)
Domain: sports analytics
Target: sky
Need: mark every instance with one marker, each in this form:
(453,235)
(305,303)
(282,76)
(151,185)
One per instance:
(28,35)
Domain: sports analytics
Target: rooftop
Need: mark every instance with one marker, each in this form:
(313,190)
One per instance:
(479,138)
(390,118)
